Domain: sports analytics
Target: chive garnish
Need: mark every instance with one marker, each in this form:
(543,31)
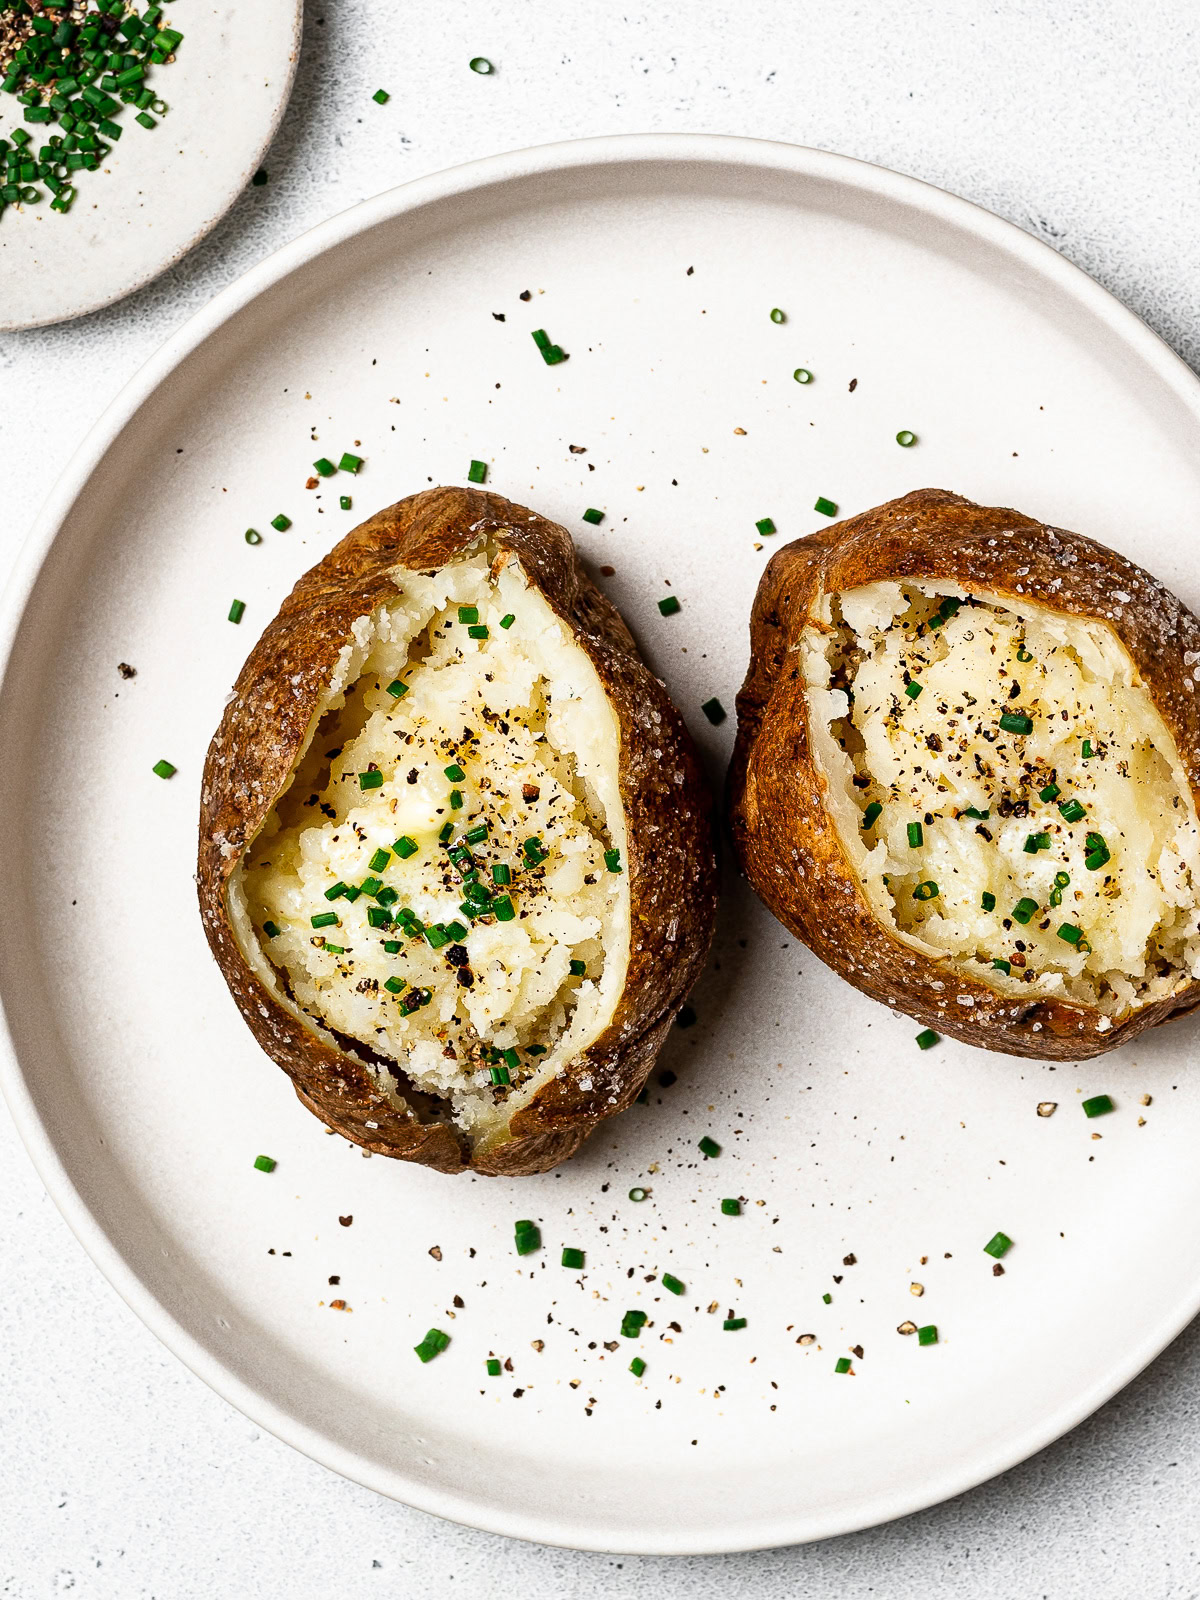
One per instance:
(733,1324)
(503,909)
(573,1259)
(871,815)
(916,835)
(264,1164)
(379,860)
(405,847)
(1069,933)
(377,917)
(637,1194)
(499,1075)
(394,985)
(349,462)
(777,315)
(477,472)
(164,769)
(632,1323)
(671,1283)
(477,834)
(714,711)
(335,891)
(827,508)
(927,1038)
(731,1208)
(669,605)
(926,891)
(765,526)
(1016,722)
(906,437)
(578,968)
(1098,1106)
(1036,842)
(501,873)
(914,690)
(454,772)
(370,780)
(709,1147)
(345,502)
(998,1245)
(1050,792)
(334,949)
(980,816)
(324,467)
(1061,880)
(592,515)
(987,900)
(477,630)
(1097,852)
(527,1238)
(281,523)
(612,860)
(271,930)
(507,622)
(1024,909)
(371,886)
(534,852)
(434,1342)
(1087,752)
(481,65)
(802,375)
(1072,811)
(468,614)
(828,1299)
(253,536)
(324,919)
(1003,966)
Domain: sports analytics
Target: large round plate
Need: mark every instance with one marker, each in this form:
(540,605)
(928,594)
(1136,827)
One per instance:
(161,190)
(655,262)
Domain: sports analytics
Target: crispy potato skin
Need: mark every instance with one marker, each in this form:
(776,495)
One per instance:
(785,839)
(670,857)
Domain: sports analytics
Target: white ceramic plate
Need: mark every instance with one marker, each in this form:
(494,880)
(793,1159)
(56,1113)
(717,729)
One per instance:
(162,189)
(143,1098)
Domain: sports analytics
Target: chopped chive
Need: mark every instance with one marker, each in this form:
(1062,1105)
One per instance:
(264,1164)
(164,769)
(1023,654)
(271,930)
(500,1075)
(392,946)
(980,816)
(512,1058)
(572,1258)
(493,1367)
(477,472)
(731,1208)
(405,847)
(387,897)
(507,621)
(592,515)
(1087,751)
(1016,722)
(378,917)
(455,931)
(802,375)
(501,873)
(481,65)
(1069,933)
(394,985)
(324,467)
(871,815)
(828,1299)
(906,437)
(1050,792)
(1036,842)
(349,462)
(370,780)
(916,835)
(335,891)
(926,891)
(709,1147)
(671,1283)
(478,630)
(503,909)
(926,1039)
(454,772)
(334,949)
(344,501)
(527,1239)
(927,1335)
(1061,880)
(1072,811)
(281,524)
(998,1245)
(1003,966)
(632,1323)
(827,508)
(733,1324)
(765,526)
(914,690)
(1097,852)
(777,315)
(533,850)
(434,1342)
(612,860)
(477,834)
(842,1364)
(324,919)
(379,860)
(381,97)
(637,1194)
(1024,909)
(637,1366)
(669,605)
(1098,1106)
(352,892)
(987,900)
(436,937)
(253,536)
(714,711)
(578,968)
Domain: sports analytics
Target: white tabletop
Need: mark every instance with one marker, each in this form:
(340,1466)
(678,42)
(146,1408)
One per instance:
(122,1476)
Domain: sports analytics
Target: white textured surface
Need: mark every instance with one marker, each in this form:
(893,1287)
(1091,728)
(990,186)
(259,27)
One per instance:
(122,1475)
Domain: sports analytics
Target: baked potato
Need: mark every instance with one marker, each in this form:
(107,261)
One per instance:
(966,771)
(456,850)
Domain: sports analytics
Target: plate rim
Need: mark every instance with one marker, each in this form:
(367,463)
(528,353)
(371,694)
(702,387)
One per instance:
(802,162)
(204,228)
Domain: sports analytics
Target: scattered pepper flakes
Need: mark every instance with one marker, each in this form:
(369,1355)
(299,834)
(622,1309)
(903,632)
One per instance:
(917,1289)
(346,1221)
(338,1305)
(907,1328)
(1047,1108)
(435,1250)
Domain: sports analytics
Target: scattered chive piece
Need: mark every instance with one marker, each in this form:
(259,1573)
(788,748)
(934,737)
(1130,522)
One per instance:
(164,769)
(926,1039)
(731,1208)
(732,1324)
(281,523)
(1016,722)
(572,1258)
(1097,852)
(1036,842)
(507,622)
(1050,792)
(377,917)
(714,711)
(578,968)
(998,1245)
(334,949)
(1070,933)
(827,508)
(533,850)
(914,690)
(455,931)
(637,1194)
(612,860)
(527,1238)
(454,772)
(324,467)
(500,1075)
(1098,1105)
(394,985)
(379,860)
(672,1283)
(1024,909)
(253,536)
(926,891)
(477,834)
(482,65)
(709,1147)
(324,919)
(1087,752)
(669,605)
(1061,880)
(802,375)
(592,515)
(434,1342)
(987,900)
(503,909)
(392,946)
(501,873)
(777,315)
(344,501)
(335,891)
(906,437)
(349,462)
(405,847)
(916,836)
(980,816)
(637,1366)
(1003,966)
(397,689)
(1072,811)
(493,1367)
(512,1059)
(541,338)
(828,1299)
(477,472)
(264,1164)
(478,630)
(271,930)
(370,780)
(842,1364)
(927,1335)
(765,526)
(871,815)
(1023,654)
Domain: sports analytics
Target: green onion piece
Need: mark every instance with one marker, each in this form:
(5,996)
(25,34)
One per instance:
(926,1039)
(671,1283)
(828,1299)
(637,1194)
(146,120)
(1003,966)
(1070,933)
(454,772)
(377,917)
(906,437)
(387,897)
(777,315)
(578,968)
(669,605)
(533,850)
(434,1342)
(914,690)
(1098,1106)
(1050,792)
(714,711)
(501,873)
(709,1147)
(871,815)
(324,467)
(379,860)
(527,1239)
(164,769)
(1072,811)
(507,622)
(987,900)
(455,931)
(1097,852)
(370,780)
(349,462)
(927,1335)
(1023,654)
(980,816)
(637,1366)
(503,909)
(1024,909)
(436,937)
(512,1058)
(842,1364)
(477,472)
(394,985)
(482,65)
(281,523)
(998,1245)
(1016,722)
(253,536)
(477,834)
(264,1164)
(352,892)
(493,1367)
(733,1324)
(324,919)
(632,1323)
(541,338)
(381,97)
(827,508)
(405,847)
(478,630)
(572,1258)
(344,501)
(926,891)
(1087,752)
(765,526)
(802,375)
(271,930)
(916,835)
(499,1075)
(392,946)
(334,949)
(592,515)
(1035,842)
(336,891)
(731,1208)
(468,613)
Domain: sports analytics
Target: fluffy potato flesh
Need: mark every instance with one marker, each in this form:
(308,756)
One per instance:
(441,886)
(1007,792)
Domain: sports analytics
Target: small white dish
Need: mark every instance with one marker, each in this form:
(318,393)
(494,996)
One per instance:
(655,262)
(161,189)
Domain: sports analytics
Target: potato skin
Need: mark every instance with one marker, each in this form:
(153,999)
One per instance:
(670,857)
(786,841)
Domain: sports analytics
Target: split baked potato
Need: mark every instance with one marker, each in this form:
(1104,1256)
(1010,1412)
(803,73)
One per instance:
(966,772)
(456,850)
